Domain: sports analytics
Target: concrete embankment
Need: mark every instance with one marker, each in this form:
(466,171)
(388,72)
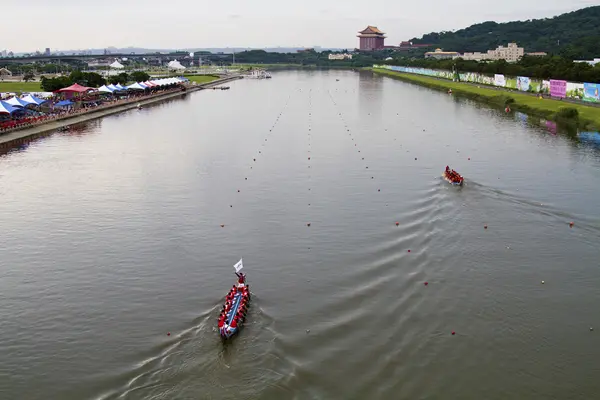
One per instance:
(585,117)
(16,138)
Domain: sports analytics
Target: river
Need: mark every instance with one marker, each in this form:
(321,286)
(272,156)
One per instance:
(114,264)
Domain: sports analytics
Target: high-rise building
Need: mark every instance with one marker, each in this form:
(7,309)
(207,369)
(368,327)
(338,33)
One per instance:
(3,53)
(371,38)
(47,52)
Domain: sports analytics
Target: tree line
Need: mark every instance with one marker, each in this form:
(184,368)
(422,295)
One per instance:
(572,35)
(90,79)
(549,67)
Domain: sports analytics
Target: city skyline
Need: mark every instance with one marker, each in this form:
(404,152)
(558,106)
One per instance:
(262,24)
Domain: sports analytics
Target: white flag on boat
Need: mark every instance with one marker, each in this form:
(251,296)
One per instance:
(238,266)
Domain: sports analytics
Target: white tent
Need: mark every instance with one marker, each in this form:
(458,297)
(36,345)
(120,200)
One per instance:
(105,89)
(136,86)
(16,102)
(30,99)
(117,65)
(176,65)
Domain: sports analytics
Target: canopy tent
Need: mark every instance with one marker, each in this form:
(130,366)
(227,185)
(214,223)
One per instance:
(16,102)
(105,89)
(6,108)
(31,99)
(166,81)
(142,84)
(119,87)
(76,88)
(136,86)
(175,65)
(112,87)
(149,84)
(64,103)
(117,65)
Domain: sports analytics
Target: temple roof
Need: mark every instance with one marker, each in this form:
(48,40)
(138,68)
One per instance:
(371,29)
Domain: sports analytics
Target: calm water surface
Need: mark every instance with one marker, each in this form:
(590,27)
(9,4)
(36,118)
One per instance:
(111,238)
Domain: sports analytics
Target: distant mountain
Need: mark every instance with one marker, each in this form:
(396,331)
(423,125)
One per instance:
(574,35)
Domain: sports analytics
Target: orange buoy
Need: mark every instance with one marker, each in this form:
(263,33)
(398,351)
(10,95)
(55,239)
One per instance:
(453,333)
(397,223)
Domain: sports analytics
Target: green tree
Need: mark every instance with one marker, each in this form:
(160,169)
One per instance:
(28,76)
(139,76)
(53,84)
(122,79)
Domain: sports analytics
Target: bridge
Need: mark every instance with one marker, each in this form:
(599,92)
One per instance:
(70,58)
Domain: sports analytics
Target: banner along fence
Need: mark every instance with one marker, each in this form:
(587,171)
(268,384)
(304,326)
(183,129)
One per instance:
(555,88)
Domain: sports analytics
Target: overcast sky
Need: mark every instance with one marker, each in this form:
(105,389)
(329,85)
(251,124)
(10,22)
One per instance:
(80,24)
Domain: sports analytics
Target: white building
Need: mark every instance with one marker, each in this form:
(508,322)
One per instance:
(340,56)
(511,53)
(591,62)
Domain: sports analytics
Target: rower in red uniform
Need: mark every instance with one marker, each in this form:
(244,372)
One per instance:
(241,277)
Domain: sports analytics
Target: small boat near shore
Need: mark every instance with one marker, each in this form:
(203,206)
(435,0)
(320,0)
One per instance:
(237,302)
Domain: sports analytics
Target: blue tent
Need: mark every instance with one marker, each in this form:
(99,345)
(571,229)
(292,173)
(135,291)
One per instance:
(6,108)
(16,102)
(31,99)
(64,103)
(118,86)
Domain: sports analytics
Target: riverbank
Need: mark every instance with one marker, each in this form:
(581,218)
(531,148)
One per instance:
(588,116)
(11,139)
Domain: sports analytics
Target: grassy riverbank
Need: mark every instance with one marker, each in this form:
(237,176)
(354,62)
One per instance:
(201,78)
(588,116)
(12,86)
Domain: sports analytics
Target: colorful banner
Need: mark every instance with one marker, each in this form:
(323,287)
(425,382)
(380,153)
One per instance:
(590,92)
(499,80)
(523,83)
(558,88)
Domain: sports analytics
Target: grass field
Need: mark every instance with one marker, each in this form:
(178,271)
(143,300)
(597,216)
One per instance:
(201,78)
(589,116)
(20,87)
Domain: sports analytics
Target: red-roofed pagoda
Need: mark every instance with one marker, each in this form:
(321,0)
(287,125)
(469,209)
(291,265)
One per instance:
(371,38)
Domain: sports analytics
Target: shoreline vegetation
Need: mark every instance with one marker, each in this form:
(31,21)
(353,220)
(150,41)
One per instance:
(579,115)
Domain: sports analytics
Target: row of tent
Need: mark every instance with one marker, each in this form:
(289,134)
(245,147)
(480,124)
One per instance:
(142,85)
(14,104)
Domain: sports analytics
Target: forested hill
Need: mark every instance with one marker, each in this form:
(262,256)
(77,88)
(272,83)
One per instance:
(574,35)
